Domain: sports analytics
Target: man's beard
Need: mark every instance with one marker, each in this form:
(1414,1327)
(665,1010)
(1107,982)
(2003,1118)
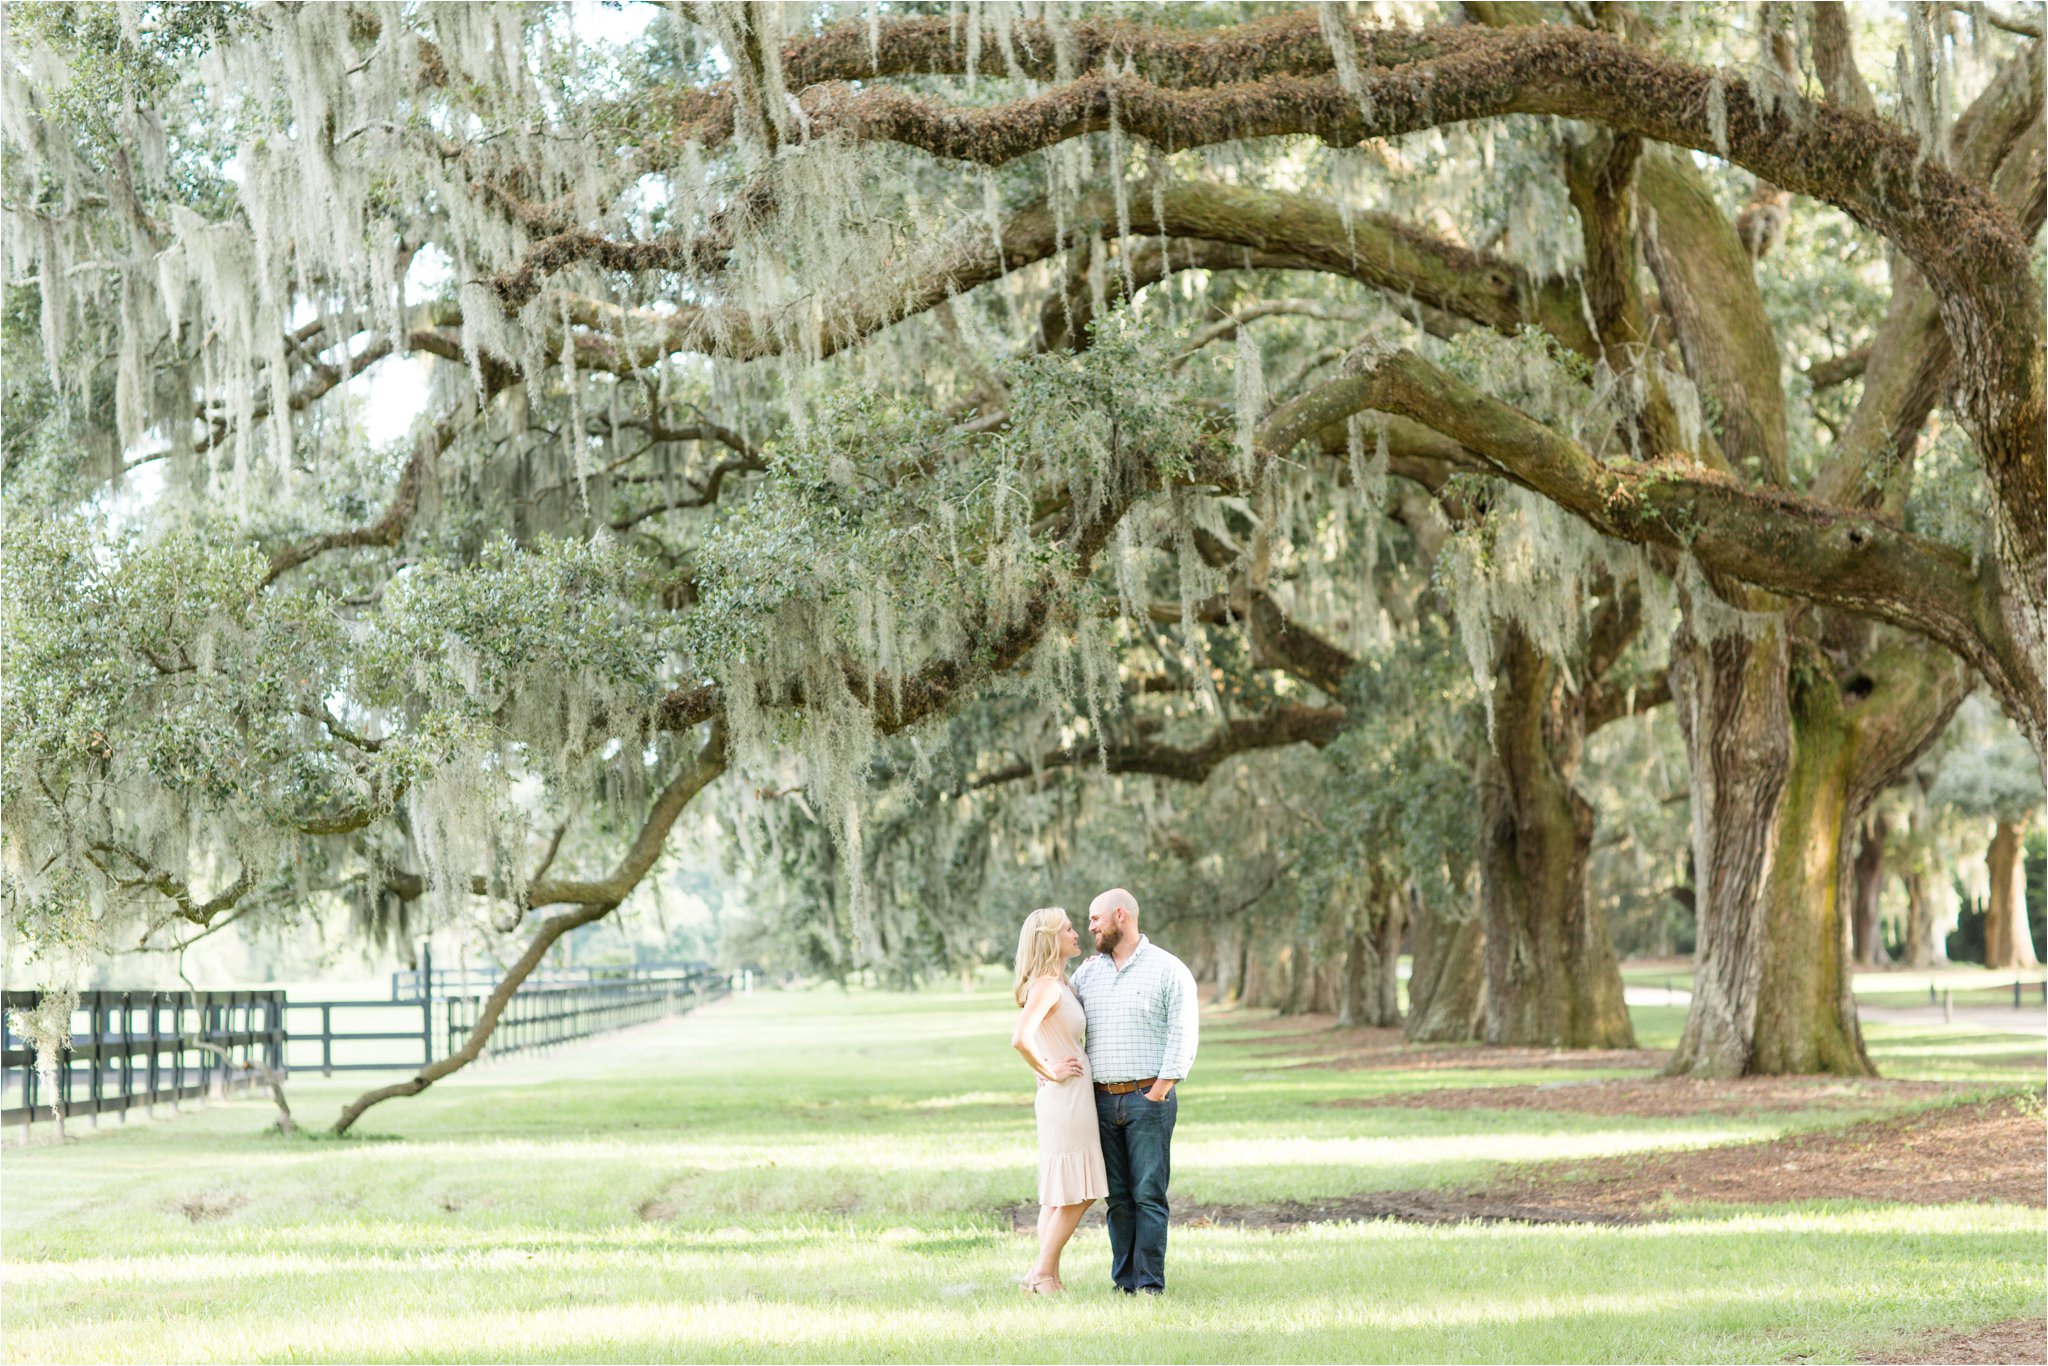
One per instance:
(1111,936)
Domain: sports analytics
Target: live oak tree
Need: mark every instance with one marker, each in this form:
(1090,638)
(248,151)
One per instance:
(795,371)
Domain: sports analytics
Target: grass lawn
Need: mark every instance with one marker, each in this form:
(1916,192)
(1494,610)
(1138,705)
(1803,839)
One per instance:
(823,1176)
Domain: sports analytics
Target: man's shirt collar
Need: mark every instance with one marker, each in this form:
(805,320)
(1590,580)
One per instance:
(1143,944)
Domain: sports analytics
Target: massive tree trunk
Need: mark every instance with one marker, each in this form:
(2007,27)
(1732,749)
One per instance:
(1806,1009)
(1351,990)
(1370,993)
(1729,690)
(1551,973)
(1447,984)
(2008,938)
(1229,963)
(1868,899)
(1773,991)
(1929,905)
(1383,987)
(1924,946)
(1299,963)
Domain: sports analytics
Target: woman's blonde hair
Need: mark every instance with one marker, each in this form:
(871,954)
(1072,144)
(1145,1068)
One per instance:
(1038,947)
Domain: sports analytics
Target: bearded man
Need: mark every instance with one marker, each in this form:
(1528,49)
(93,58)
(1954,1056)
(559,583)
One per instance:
(1142,1025)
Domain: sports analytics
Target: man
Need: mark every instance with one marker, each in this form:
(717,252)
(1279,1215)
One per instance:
(1142,1021)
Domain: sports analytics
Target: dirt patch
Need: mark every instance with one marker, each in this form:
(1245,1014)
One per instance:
(1315,1041)
(209,1205)
(1670,1096)
(1995,1150)
(656,1211)
(2014,1340)
(1409,1057)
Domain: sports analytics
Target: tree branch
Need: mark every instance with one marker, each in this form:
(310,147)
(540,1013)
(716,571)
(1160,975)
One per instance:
(1275,729)
(1776,541)
(1301,231)
(1974,254)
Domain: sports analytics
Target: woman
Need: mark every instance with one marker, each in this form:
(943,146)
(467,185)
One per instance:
(1048,1034)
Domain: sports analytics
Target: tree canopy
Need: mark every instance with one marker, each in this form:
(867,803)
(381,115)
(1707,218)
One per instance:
(930,429)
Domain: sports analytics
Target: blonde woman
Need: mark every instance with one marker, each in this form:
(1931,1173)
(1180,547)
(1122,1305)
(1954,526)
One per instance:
(1049,1029)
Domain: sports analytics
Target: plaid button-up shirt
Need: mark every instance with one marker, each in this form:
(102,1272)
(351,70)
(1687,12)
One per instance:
(1142,1018)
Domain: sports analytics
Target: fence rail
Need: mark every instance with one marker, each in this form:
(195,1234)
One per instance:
(410,984)
(145,1047)
(142,1048)
(542,1019)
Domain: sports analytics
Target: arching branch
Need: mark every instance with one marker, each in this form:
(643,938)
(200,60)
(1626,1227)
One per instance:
(1282,231)
(1776,541)
(593,901)
(1973,253)
(390,526)
(1274,729)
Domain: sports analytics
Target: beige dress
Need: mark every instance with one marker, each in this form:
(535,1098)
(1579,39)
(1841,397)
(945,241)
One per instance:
(1069,1144)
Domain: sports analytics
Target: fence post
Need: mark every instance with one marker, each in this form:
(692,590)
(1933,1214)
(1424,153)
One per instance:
(28,1096)
(92,1035)
(1948,1007)
(217,1085)
(64,1084)
(156,1044)
(327,1036)
(427,1002)
(178,1053)
(127,1055)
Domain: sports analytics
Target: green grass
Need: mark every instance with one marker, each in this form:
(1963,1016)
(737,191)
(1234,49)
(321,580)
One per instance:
(828,1174)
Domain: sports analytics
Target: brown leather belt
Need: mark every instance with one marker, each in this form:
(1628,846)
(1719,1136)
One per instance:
(1124,1088)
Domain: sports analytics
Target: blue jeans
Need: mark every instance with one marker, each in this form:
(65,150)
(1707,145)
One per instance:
(1137,1142)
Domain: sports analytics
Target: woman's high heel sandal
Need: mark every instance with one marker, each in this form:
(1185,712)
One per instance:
(1040,1285)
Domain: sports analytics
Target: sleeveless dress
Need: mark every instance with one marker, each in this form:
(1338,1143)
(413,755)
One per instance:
(1070,1166)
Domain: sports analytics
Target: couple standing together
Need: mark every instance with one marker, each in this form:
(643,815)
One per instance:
(1106,1111)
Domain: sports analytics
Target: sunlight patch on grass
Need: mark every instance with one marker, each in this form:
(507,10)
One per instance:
(820,1175)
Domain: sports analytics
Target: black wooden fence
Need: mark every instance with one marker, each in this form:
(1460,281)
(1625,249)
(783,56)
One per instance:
(143,1048)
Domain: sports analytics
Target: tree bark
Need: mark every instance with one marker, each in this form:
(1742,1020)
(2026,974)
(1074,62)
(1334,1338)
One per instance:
(550,930)
(1924,946)
(2008,938)
(1806,1011)
(1371,994)
(1255,972)
(1447,987)
(1351,993)
(1383,989)
(1300,964)
(1869,889)
(1229,961)
(603,899)
(1551,973)
(1729,691)
(1772,993)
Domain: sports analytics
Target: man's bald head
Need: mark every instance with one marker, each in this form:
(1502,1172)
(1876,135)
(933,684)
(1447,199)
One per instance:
(1113,918)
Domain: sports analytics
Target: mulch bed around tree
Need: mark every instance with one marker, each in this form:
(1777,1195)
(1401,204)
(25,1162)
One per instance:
(2022,1340)
(1995,1150)
(1990,1150)
(1671,1096)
